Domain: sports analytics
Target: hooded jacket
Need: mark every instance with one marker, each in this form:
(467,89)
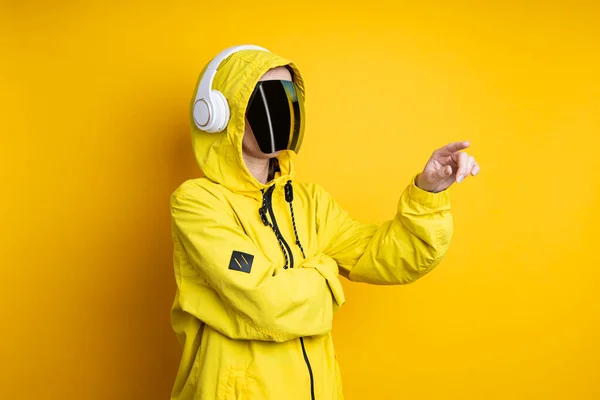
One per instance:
(257,266)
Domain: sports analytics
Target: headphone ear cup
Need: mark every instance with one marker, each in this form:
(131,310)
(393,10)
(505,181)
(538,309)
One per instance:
(221,111)
(202,113)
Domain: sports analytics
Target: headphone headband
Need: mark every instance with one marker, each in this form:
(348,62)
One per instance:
(211,111)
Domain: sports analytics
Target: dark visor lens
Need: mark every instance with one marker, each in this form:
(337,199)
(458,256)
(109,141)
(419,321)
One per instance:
(275,115)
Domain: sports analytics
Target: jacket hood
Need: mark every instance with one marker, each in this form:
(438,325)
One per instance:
(219,155)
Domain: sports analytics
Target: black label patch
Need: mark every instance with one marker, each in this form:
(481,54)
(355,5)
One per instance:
(241,261)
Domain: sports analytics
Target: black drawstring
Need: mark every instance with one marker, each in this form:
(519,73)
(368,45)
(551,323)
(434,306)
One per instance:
(289,197)
(263,216)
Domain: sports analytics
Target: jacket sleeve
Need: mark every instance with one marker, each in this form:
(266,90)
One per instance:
(399,251)
(263,304)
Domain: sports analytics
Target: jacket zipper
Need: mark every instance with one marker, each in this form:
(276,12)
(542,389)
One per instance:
(269,203)
(312,382)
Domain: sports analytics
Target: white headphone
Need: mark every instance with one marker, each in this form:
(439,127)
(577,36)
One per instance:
(211,111)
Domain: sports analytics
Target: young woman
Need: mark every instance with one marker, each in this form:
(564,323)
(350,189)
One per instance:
(258,255)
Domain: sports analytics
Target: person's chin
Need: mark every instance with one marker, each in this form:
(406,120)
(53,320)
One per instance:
(273,155)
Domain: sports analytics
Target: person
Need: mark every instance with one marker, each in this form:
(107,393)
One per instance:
(257,255)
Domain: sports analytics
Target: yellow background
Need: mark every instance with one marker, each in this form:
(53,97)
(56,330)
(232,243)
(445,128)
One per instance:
(95,137)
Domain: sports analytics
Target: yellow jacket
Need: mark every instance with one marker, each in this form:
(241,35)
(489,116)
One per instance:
(250,328)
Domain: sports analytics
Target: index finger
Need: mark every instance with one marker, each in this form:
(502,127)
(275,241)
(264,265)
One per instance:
(452,148)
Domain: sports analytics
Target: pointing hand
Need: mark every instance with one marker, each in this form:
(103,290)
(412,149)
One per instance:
(447,165)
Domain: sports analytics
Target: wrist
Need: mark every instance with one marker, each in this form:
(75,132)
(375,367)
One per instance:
(429,199)
(419,182)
